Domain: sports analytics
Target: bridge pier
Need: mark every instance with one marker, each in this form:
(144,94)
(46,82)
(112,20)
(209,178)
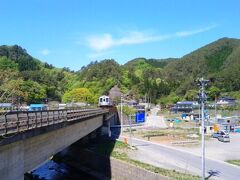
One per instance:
(11,161)
(26,150)
(105,129)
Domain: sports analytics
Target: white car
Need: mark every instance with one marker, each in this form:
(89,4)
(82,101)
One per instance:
(224,138)
(218,134)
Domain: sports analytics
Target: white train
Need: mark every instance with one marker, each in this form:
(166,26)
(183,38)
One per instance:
(104,101)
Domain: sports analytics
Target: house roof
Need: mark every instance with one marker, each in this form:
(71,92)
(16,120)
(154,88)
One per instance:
(226,99)
(4,105)
(37,105)
(115,92)
(186,102)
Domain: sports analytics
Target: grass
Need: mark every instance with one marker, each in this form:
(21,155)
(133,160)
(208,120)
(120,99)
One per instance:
(128,130)
(153,134)
(234,162)
(107,147)
(119,150)
(165,172)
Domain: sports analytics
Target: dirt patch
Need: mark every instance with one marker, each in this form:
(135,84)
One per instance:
(168,139)
(167,136)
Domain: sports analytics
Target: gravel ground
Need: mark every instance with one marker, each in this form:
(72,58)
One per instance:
(219,150)
(155,121)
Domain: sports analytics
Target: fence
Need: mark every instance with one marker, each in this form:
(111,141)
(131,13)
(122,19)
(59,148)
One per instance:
(18,121)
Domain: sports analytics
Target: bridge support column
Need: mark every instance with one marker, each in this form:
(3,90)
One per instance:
(12,155)
(105,129)
(109,129)
(24,151)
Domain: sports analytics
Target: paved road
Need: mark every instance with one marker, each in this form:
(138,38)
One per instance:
(168,157)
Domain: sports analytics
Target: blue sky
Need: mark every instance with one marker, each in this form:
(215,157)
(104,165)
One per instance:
(72,33)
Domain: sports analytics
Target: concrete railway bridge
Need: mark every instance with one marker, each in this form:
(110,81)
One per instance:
(27,139)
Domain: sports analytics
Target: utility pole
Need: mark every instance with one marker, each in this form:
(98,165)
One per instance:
(121,115)
(203,135)
(202,98)
(199,112)
(130,129)
(215,109)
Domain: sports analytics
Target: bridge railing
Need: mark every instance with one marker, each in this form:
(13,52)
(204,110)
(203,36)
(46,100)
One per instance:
(13,122)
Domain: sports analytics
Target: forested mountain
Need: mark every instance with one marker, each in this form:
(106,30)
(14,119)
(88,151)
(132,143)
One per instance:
(164,80)
(157,63)
(99,77)
(215,61)
(26,79)
(169,80)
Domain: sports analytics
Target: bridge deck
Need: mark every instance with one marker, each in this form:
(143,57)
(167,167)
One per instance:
(14,122)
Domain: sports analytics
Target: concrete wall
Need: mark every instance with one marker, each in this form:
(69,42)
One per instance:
(125,171)
(114,168)
(21,156)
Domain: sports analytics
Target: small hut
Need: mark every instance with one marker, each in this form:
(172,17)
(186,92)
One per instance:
(115,94)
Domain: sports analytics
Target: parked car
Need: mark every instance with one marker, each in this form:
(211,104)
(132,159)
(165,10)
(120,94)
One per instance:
(218,134)
(224,138)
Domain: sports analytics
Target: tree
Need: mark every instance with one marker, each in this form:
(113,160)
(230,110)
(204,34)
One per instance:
(11,91)
(78,95)
(213,92)
(128,110)
(172,98)
(6,63)
(234,94)
(35,93)
(7,88)
(27,63)
(191,95)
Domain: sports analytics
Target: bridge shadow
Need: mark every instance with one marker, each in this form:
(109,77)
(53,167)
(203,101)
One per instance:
(93,155)
(87,159)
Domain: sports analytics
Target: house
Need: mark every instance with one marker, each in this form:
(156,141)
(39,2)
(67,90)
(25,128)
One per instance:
(184,106)
(132,103)
(38,107)
(115,94)
(226,101)
(6,106)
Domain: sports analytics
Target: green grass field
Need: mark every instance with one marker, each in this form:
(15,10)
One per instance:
(235,162)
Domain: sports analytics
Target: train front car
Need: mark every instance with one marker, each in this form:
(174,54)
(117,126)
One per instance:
(104,101)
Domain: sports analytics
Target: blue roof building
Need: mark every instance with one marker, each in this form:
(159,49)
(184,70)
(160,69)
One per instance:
(37,107)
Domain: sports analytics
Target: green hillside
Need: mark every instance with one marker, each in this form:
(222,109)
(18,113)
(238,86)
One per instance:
(26,79)
(164,80)
(99,77)
(214,61)
(157,63)
(174,79)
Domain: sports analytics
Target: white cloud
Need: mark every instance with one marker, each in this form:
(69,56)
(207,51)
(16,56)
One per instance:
(45,52)
(195,31)
(106,41)
(100,43)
